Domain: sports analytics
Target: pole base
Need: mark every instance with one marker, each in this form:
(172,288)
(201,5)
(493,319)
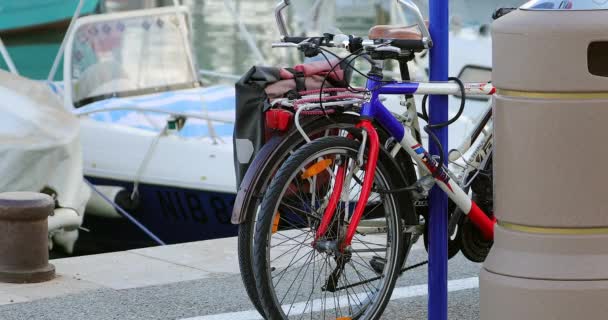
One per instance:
(507,298)
(28,276)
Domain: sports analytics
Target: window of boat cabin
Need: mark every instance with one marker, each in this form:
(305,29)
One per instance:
(131,56)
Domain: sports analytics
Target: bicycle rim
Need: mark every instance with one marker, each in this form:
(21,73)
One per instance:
(290,142)
(308,282)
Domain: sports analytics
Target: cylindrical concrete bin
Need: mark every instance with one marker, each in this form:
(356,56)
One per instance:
(24,254)
(549,259)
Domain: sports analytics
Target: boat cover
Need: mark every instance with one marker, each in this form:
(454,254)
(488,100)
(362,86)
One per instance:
(39,143)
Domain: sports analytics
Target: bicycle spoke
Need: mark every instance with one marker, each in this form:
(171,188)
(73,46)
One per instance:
(278,281)
(295,296)
(308,279)
(301,246)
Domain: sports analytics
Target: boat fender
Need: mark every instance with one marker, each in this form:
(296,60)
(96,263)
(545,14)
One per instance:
(125,200)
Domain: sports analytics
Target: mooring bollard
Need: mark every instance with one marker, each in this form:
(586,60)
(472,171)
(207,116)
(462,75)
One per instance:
(550,254)
(24,251)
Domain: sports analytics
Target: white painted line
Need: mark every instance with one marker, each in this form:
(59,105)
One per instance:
(298,308)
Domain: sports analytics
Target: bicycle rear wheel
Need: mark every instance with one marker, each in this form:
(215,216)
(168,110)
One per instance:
(297,279)
(258,177)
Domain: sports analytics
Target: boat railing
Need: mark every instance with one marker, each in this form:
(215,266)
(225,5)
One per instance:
(210,119)
(195,115)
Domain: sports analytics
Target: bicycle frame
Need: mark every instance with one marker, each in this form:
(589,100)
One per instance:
(375,110)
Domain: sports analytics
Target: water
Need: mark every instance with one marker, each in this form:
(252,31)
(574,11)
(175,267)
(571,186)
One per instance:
(221,45)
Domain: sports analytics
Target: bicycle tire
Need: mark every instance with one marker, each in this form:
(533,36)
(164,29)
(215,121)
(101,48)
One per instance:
(403,211)
(473,245)
(454,240)
(280,149)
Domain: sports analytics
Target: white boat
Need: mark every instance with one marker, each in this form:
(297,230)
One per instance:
(155,141)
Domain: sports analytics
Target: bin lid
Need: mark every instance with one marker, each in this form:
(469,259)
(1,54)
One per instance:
(566,5)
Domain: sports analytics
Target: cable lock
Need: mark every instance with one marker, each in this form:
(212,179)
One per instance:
(428,128)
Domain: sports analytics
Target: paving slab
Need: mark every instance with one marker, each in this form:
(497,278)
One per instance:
(219,256)
(9,297)
(131,269)
(123,270)
(63,284)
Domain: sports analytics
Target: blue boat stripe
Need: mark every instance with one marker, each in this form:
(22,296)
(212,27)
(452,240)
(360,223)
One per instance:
(214,101)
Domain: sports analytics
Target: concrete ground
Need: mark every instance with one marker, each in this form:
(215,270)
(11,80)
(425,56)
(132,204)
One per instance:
(195,281)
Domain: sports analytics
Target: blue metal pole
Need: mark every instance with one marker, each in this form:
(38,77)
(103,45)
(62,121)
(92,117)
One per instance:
(438,224)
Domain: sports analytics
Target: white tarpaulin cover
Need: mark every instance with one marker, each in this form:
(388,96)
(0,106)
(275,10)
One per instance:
(40,145)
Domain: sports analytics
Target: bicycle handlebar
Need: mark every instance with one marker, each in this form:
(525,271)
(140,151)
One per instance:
(348,42)
(296,39)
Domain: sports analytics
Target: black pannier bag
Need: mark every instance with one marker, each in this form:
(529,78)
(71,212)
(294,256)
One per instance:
(259,86)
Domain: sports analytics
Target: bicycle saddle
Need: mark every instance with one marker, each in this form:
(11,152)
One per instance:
(395,32)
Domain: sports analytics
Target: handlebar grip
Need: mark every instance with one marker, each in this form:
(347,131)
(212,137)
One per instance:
(408,44)
(295,39)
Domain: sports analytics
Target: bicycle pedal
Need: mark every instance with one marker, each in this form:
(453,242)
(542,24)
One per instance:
(377,264)
(422,187)
(415,230)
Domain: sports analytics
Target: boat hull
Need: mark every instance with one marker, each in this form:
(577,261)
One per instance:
(173,214)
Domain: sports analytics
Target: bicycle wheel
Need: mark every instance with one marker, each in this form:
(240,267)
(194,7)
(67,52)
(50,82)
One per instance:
(256,180)
(453,239)
(272,155)
(297,279)
(474,246)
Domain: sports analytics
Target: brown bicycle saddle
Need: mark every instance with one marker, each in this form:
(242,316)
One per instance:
(395,32)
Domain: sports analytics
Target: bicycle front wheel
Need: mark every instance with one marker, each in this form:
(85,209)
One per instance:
(297,278)
(256,181)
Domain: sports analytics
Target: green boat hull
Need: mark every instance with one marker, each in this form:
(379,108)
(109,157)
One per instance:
(32,32)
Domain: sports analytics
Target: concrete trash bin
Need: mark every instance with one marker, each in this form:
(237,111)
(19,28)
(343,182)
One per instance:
(550,253)
(24,251)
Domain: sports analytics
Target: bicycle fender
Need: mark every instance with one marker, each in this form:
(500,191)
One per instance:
(251,180)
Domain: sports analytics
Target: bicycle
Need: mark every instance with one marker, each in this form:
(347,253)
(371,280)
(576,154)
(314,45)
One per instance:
(270,157)
(307,201)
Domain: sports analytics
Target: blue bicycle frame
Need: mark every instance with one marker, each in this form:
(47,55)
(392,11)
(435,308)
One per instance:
(374,110)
